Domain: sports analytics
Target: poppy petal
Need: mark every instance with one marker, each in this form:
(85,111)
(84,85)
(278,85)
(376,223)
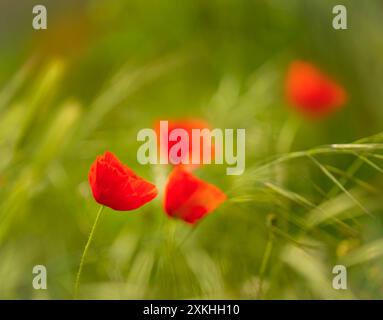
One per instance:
(189,198)
(188,125)
(312,92)
(117,186)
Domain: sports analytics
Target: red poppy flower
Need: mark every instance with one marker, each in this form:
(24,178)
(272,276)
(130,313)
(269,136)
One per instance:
(312,92)
(188,125)
(117,186)
(189,198)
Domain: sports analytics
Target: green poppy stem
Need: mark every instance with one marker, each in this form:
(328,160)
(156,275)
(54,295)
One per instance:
(264,263)
(77,284)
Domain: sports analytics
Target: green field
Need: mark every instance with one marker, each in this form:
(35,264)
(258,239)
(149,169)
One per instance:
(310,197)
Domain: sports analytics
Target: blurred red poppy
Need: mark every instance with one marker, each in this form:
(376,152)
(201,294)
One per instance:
(312,92)
(188,125)
(117,186)
(189,198)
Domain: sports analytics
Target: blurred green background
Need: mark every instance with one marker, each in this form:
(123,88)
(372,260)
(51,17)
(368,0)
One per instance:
(103,70)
